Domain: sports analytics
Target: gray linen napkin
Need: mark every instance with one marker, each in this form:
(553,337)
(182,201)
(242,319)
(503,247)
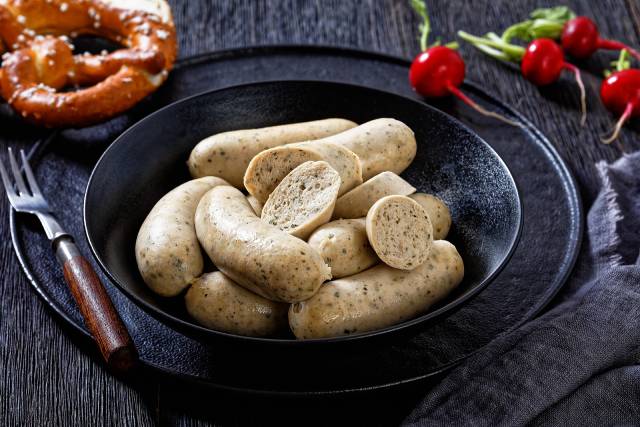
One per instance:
(579,363)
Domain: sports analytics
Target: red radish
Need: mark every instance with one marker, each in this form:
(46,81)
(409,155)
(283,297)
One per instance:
(439,70)
(436,70)
(579,35)
(580,38)
(620,93)
(541,62)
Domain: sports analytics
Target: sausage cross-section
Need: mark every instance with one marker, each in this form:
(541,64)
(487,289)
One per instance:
(400,232)
(267,169)
(304,200)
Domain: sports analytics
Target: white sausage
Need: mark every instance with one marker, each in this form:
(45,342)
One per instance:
(228,154)
(381,144)
(357,202)
(344,246)
(167,249)
(256,255)
(216,302)
(378,297)
(438,213)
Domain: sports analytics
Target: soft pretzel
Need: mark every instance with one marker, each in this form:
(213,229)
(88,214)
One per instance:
(39,61)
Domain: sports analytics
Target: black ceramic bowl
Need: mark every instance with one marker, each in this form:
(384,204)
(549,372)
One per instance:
(148,160)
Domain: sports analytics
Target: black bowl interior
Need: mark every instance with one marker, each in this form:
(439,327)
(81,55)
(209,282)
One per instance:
(148,160)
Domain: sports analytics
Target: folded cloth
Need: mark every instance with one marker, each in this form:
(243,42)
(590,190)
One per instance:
(579,363)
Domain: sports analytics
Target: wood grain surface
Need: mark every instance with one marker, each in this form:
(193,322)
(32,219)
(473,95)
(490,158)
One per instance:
(46,379)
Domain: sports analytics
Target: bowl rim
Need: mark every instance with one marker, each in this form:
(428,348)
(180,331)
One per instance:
(181,324)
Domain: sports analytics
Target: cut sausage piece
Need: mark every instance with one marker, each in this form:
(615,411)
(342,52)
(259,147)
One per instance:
(381,144)
(254,254)
(357,202)
(304,199)
(255,204)
(344,246)
(167,250)
(228,154)
(378,297)
(268,168)
(400,232)
(438,213)
(217,302)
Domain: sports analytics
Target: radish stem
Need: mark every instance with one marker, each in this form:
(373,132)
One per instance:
(425,28)
(620,64)
(616,45)
(583,92)
(471,103)
(513,52)
(494,53)
(616,131)
(533,29)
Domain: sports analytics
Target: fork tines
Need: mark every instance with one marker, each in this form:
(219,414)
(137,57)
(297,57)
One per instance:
(33,190)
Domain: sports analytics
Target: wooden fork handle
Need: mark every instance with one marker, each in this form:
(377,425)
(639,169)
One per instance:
(96,307)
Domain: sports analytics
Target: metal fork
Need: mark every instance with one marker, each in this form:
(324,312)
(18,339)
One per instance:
(96,307)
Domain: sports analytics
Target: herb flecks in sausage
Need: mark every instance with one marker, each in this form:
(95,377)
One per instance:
(378,297)
(304,200)
(253,253)
(216,302)
(228,154)
(357,202)
(167,250)
(344,246)
(267,169)
(438,213)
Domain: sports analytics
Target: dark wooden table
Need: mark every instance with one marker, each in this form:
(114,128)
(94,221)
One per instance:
(46,378)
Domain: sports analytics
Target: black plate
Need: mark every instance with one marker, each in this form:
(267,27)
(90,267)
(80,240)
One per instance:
(451,162)
(545,255)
